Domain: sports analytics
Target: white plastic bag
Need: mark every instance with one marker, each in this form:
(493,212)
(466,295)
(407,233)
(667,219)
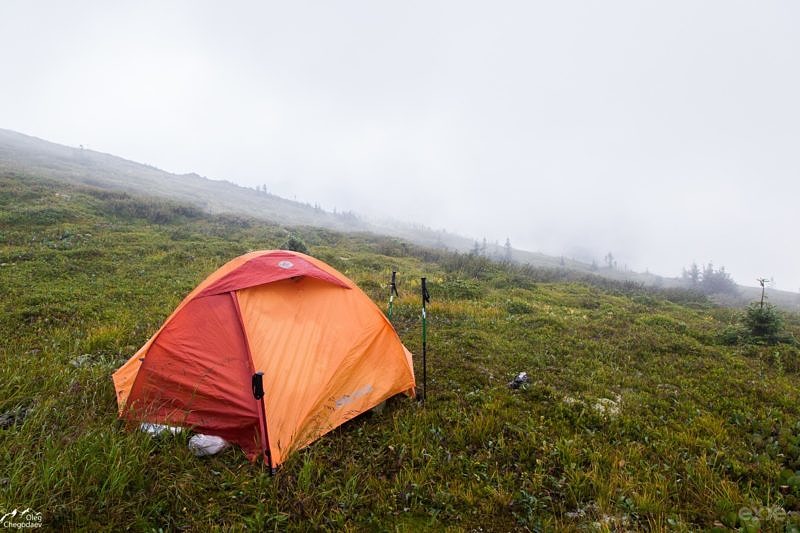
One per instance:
(202,445)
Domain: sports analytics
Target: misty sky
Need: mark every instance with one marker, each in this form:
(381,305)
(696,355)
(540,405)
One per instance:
(664,132)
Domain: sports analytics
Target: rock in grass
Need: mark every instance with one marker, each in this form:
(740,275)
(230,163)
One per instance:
(519,380)
(7,420)
(608,407)
(81,360)
(13,417)
(378,409)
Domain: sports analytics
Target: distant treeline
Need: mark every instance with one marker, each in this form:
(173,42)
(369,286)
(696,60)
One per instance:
(503,273)
(709,280)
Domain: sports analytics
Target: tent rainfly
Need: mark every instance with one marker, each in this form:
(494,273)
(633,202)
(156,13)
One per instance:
(326,351)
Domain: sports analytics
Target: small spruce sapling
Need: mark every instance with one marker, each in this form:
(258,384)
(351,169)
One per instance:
(762,319)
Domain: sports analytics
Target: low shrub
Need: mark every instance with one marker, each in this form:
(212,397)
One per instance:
(295,244)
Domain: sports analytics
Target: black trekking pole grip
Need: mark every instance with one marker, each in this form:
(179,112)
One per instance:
(394,283)
(258,385)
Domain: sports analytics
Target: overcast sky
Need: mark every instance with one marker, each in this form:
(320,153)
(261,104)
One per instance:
(665,132)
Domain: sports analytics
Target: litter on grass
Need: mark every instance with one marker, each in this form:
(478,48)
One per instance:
(157,430)
(203,445)
(200,445)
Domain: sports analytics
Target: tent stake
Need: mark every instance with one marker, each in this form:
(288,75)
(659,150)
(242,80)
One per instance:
(426,298)
(258,394)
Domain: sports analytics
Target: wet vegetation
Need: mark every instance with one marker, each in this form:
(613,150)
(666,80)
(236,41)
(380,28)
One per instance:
(638,415)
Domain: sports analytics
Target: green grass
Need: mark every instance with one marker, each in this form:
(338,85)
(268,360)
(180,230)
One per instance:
(638,416)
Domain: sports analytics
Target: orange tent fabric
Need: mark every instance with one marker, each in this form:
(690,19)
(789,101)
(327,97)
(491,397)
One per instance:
(327,353)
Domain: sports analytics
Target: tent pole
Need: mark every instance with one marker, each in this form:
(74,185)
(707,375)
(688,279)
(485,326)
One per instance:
(425,299)
(258,394)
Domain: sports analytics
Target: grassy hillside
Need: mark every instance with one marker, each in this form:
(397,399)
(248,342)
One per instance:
(636,417)
(25,155)
(29,155)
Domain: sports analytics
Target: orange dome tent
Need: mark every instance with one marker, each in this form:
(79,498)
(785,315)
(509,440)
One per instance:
(326,351)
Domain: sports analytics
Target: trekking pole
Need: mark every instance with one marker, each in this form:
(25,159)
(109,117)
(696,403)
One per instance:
(426,298)
(392,292)
(258,394)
